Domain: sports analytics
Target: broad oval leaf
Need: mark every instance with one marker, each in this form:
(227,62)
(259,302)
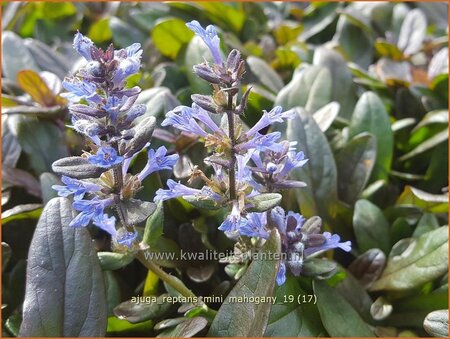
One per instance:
(309,88)
(170,35)
(371,116)
(326,115)
(16,55)
(320,175)
(338,316)
(421,260)
(186,329)
(248,319)
(65,291)
(113,261)
(368,266)
(370,226)
(265,74)
(290,319)
(354,165)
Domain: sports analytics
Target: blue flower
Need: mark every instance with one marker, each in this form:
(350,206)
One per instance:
(210,38)
(105,157)
(268,118)
(106,223)
(76,187)
(181,117)
(158,161)
(256,226)
(203,116)
(261,142)
(78,90)
(90,209)
(175,190)
(127,238)
(83,45)
(281,275)
(331,241)
(234,221)
(293,160)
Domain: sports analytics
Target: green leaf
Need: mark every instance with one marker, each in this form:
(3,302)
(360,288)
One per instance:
(196,53)
(426,145)
(388,50)
(170,35)
(433,203)
(26,211)
(263,202)
(225,15)
(368,266)
(158,100)
(111,261)
(57,10)
(371,116)
(124,34)
(36,138)
(47,180)
(424,259)
(354,165)
(310,88)
(265,74)
(6,255)
(118,327)
(248,319)
(319,268)
(291,319)
(320,175)
(136,311)
(154,227)
(12,324)
(100,31)
(436,323)
(16,55)
(428,222)
(338,316)
(371,227)
(325,116)
(186,329)
(343,89)
(65,291)
(208,204)
(346,35)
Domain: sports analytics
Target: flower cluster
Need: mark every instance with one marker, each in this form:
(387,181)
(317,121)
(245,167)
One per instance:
(250,167)
(103,109)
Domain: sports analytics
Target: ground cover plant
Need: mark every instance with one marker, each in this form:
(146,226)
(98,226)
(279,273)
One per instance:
(224,169)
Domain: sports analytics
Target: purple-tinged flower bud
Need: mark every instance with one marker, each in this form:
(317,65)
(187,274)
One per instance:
(206,73)
(77,109)
(295,263)
(312,225)
(105,157)
(206,102)
(233,61)
(314,240)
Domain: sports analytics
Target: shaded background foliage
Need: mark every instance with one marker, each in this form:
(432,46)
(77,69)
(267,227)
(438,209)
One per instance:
(370,84)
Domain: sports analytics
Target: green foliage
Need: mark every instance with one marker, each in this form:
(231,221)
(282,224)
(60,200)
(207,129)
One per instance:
(369,84)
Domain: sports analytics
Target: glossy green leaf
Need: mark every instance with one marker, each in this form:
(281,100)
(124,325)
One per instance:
(248,319)
(25,211)
(170,35)
(154,226)
(412,32)
(65,291)
(435,203)
(136,311)
(371,116)
(309,88)
(186,329)
(320,175)
(354,165)
(338,317)
(291,319)
(16,55)
(124,34)
(100,31)
(325,116)
(423,260)
(265,74)
(428,222)
(370,226)
(113,261)
(426,145)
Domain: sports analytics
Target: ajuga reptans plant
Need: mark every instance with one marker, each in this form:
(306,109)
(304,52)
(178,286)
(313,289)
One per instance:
(250,168)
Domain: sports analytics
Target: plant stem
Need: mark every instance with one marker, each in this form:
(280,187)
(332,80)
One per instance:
(232,170)
(174,282)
